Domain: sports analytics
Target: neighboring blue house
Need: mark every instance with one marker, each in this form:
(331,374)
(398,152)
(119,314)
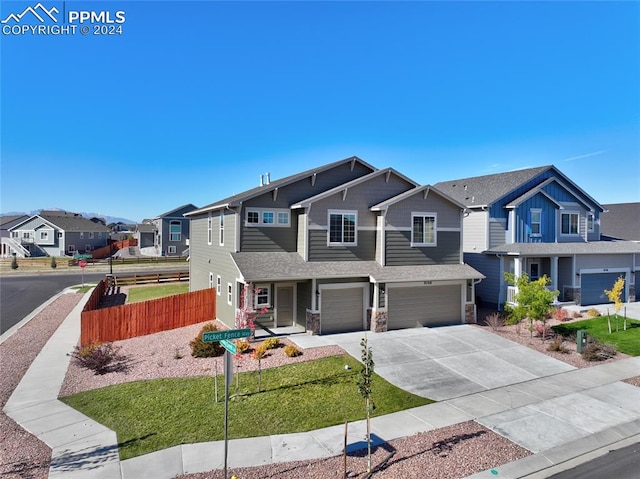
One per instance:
(537,221)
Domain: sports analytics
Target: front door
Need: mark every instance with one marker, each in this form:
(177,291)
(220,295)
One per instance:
(284,306)
(534,271)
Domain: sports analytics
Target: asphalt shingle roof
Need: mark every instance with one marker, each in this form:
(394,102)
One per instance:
(484,190)
(256,267)
(621,221)
(71,221)
(547,249)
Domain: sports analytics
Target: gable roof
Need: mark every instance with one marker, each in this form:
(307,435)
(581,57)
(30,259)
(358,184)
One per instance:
(482,191)
(621,221)
(5,220)
(237,199)
(345,186)
(66,221)
(425,190)
(172,212)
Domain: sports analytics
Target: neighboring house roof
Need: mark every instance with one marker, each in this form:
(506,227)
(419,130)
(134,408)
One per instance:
(480,191)
(5,220)
(67,221)
(257,266)
(146,228)
(236,200)
(345,186)
(568,249)
(175,211)
(621,221)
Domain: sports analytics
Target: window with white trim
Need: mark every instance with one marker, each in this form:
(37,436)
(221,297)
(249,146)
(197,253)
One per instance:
(81,235)
(71,248)
(423,229)
(591,219)
(536,221)
(343,227)
(262,296)
(209,228)
(60,234)
(211,280)
(267,217)
(175,230)
(171,249)
(44,235)
(91,236)
(569,223)
(221,238)
(229,294)
(218,285)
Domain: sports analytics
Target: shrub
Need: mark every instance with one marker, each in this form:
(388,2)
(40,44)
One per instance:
(541,329)
(260,352)
(560,314)
(291,351)
(557,344)
(200,349)
(271,343)
(593,313)
(101,358)
(596,351)
(495,321)
(243,346)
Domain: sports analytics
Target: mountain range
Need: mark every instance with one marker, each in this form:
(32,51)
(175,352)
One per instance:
(107,218)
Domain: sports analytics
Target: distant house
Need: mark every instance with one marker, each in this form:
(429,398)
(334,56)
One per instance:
(341,247)
(621,221)
(172,231)
(9,246)
(145,233)
(59,233)
(539,222)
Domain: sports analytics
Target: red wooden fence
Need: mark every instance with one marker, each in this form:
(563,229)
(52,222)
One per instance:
(147,317)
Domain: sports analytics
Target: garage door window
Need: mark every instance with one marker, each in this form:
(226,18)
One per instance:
(423,232)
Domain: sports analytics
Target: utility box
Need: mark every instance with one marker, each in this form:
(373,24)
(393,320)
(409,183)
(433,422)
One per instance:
(581,340)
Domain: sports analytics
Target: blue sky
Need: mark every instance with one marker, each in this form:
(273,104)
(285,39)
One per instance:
(193,101)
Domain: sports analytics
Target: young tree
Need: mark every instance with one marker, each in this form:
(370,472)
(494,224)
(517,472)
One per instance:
(14,262)
(533,300)
(364,389)
(54,265)
(615,296)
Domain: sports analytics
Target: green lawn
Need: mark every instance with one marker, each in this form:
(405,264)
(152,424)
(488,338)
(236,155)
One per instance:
(144,293)
(157,414)
(627,342)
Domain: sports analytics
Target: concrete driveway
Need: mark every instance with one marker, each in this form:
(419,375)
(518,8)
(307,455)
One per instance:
(449,362)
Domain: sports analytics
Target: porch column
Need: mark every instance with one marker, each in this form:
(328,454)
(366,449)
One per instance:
(314,296)
(554,272)
(517,266)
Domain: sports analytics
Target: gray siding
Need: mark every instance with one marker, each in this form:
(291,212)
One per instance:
(399,251)
(399,214)
(488,290)
(270,239)
(319,251)
(475,232)
(497,233)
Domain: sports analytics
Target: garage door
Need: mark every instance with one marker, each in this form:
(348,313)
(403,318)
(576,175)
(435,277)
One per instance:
(424,306)
(342,310)
(592,287)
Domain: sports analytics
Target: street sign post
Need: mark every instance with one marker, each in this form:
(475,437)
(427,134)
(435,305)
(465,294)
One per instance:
(229,346)
(215,336)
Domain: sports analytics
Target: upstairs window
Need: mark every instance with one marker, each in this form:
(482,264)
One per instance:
(221,239)
(209,229)
(570,223)
(536,222)
(590,222)
(175,230)
(423,231)
(264,217)
(342,227)
(44,235)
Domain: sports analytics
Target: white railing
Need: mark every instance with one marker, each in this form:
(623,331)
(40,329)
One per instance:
(15,247)
(511,294)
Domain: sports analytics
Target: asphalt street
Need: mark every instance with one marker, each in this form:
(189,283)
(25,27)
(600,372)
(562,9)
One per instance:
(21,294)
(619,464)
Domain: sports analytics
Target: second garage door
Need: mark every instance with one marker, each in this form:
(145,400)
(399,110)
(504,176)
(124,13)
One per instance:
(342,310)
(424,306)
(592,287)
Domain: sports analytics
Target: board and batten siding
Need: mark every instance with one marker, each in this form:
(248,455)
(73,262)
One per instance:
(399,251)
(475,231)
(488,290)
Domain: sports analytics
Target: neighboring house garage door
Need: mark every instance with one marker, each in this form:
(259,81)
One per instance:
(424,306)
(342,310)
(592,287)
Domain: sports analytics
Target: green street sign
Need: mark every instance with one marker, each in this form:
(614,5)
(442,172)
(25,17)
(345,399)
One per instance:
(82,256)
(214,336)
(229,346)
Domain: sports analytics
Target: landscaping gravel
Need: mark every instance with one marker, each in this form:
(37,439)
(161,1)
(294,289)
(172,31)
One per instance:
(22,455)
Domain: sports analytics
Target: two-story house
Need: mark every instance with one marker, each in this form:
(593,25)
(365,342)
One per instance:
(171,233)
(8,245)
(539,222)
(56,233)
(342,247)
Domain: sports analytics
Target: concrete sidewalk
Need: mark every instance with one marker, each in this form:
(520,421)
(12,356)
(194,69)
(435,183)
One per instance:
(560,415)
